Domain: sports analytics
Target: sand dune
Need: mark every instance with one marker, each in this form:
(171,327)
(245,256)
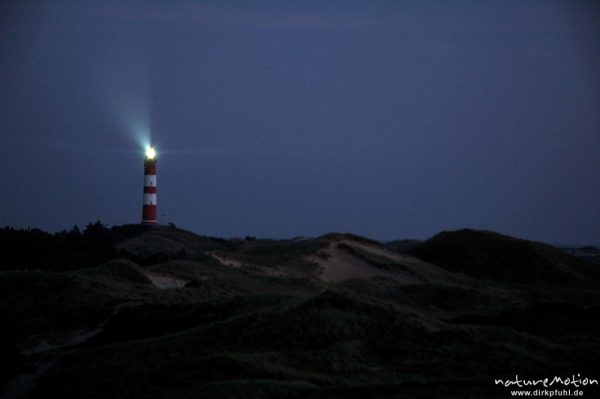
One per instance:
(346,258)
(164,280)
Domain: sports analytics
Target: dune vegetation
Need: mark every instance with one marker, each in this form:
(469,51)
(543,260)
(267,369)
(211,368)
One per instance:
(159,312)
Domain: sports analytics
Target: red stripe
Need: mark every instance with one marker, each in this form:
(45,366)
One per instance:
(150,166)
(149,189)
(149,212)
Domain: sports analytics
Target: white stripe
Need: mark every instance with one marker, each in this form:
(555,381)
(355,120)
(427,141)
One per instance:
(150,180)
(149,199)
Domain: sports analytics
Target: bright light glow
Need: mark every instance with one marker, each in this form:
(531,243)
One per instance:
(150,153)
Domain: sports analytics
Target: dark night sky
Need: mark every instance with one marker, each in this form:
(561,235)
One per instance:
(279,119)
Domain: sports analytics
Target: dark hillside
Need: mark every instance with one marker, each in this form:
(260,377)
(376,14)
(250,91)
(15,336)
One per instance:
(67,250)
(97,244)
(488,255)
(159,312)
(169,242)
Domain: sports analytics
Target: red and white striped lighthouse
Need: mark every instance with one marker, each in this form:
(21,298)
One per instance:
(149,207)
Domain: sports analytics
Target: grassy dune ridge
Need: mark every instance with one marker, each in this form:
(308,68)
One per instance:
(251,318)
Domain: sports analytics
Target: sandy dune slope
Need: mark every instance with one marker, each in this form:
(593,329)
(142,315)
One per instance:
(164,280)
(347,258)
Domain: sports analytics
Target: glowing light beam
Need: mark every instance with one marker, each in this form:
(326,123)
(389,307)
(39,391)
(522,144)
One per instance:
(150,153)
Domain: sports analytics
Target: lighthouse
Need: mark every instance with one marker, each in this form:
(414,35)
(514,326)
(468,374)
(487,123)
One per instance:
(149,206)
